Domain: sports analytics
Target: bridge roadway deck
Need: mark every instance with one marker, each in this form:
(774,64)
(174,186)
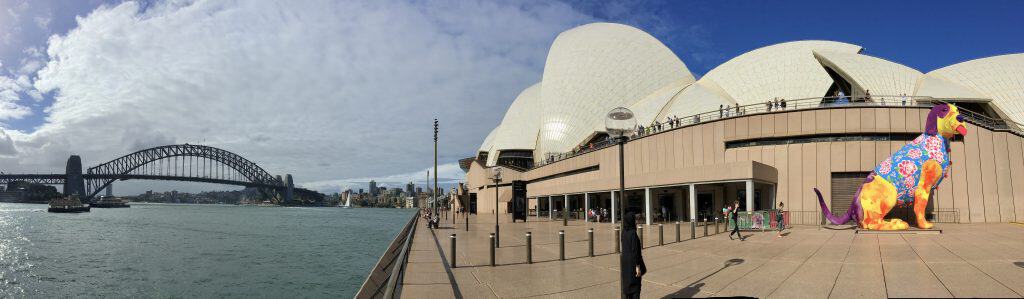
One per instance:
(966,260)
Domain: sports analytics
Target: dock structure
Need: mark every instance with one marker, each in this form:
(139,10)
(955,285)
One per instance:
(966,260)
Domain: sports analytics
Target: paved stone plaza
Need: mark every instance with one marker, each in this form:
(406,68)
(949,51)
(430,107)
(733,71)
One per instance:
(966,260)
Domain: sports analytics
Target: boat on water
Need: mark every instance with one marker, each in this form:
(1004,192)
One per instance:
(348,202)
(110,202)
(69,204)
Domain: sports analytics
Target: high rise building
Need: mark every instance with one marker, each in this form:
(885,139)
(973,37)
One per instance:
(373,188)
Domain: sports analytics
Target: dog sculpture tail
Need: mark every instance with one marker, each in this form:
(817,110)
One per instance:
(837,220)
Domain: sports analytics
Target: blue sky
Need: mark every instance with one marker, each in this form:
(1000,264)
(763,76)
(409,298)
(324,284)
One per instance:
(338,92)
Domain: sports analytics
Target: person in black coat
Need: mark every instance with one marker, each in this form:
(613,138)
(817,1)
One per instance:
(631,262)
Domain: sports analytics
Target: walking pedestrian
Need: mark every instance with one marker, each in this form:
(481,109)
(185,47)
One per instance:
(631,261)
(779,219)
(735,221)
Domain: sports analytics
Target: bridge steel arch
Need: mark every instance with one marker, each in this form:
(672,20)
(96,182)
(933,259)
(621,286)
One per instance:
(101,176)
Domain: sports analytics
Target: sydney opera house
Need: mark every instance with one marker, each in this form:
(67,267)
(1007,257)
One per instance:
(762,128)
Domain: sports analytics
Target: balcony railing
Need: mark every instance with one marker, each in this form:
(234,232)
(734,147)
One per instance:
(673,123)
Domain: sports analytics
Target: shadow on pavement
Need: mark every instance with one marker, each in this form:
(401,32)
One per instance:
(694,288)
(1019,264)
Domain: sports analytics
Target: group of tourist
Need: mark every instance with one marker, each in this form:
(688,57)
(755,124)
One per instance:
(725,110)
(777,104)
(430,217)
(599,214)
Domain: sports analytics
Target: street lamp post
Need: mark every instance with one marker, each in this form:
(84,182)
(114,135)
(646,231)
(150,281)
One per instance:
(433,192)
(619,124)
(496,176)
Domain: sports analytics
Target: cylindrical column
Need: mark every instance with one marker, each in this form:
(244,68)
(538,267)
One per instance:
(590,240)
(454,265)
(693,228)
(661,235)
(716,225)
(492,249)
(677,232)
(705,227)
(561,245)
(617,240)
(529,248)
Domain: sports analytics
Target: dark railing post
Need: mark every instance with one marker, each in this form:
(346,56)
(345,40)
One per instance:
(617,240)
(705,227)
(661,235)
(529,248)
(590,240)
(716,225)
(693,228)
(454,265)
(677,232)
(492,249)
(561,245)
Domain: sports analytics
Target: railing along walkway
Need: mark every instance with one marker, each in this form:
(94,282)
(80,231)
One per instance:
(663,125)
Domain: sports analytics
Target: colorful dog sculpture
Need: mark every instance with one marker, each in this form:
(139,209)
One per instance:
(907,177)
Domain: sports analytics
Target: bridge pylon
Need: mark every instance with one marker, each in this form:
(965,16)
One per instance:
(75,182)
(289,191)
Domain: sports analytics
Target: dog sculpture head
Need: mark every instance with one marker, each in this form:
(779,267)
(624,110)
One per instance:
(945,119)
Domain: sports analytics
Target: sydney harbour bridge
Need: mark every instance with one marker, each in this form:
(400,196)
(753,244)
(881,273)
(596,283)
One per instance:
(180,162)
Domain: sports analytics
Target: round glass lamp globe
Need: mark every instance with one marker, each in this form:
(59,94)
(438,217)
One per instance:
(496,173)
(620,122)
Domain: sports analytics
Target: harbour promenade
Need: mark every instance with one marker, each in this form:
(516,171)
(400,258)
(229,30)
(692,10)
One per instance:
(966,260)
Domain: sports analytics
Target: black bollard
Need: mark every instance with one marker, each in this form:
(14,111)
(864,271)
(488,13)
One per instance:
(716,225)
(677,231)
(661,235)
(590,238)
(561,245)
(492,249)
(467,221)
(693,228)
(705,227)
(453,252)
(529,248)
(617,240)
(640,229)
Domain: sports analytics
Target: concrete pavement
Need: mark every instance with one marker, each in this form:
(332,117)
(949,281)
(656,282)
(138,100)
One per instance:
(966,260)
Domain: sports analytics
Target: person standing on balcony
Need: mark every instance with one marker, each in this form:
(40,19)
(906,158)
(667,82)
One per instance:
(782,103)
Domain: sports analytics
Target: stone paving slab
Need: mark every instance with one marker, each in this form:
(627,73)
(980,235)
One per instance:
(966,260)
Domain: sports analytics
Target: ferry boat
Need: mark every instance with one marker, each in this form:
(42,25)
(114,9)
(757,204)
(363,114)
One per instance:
(110,202)
(70,204)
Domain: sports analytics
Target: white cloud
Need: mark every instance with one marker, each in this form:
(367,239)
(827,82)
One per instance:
(43,22)
(321,89)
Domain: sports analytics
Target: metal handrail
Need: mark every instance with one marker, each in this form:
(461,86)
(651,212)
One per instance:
(396,266)
(791,105)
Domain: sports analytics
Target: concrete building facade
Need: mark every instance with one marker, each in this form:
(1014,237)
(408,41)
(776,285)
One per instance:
(691,157)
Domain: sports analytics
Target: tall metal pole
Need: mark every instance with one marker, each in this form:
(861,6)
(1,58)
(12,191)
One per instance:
(496,229)
(622,179)
(433,191)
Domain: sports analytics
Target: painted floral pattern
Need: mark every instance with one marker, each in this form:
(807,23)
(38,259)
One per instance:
(907,162)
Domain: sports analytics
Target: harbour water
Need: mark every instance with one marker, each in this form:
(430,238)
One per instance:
(156,250)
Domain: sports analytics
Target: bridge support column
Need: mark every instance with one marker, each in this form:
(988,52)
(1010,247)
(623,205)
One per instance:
(289,192)
(75,184)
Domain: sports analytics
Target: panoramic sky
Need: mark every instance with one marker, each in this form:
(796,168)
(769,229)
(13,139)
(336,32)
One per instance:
(339,92)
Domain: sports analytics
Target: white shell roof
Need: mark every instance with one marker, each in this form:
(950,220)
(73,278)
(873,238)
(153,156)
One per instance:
(786,70)
(594,68)
(1000,78)
(518,130)
(646,110)
(880,76)
(699,97)
(489,140)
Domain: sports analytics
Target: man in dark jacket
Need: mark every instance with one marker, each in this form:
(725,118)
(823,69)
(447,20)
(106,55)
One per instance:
(631,262)
(735,221)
